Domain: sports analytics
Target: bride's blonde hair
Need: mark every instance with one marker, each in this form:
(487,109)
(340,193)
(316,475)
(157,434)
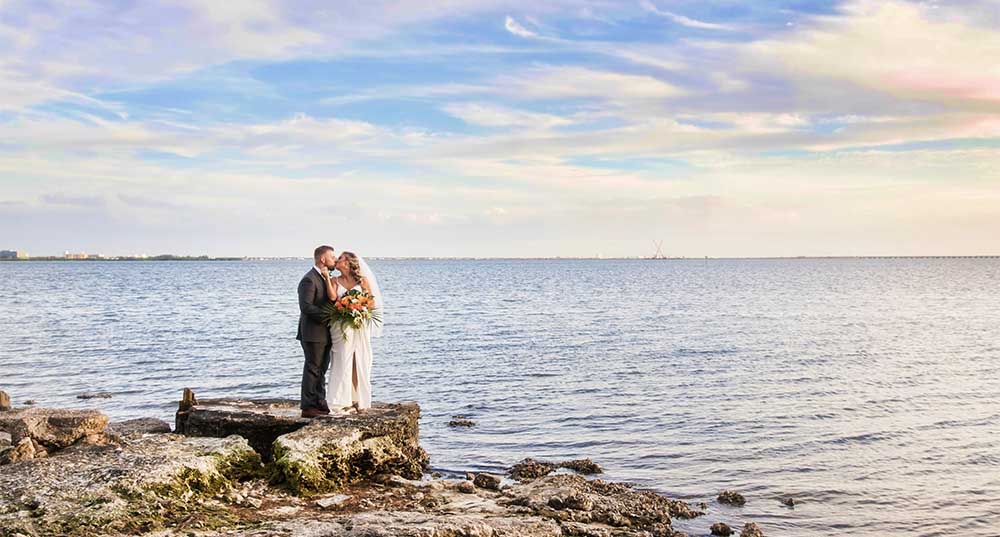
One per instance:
(353,265)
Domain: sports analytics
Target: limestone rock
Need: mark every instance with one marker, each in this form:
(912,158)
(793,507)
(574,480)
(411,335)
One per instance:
(751,529)
(260,421)
(335,451)
(332,501)
(722,529)
(731,497)
(5,439)
(413,524)
(466,487)
(92,490)
(138,426)
(52,428)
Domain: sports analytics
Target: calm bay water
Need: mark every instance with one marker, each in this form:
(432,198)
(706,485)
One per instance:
(867,389)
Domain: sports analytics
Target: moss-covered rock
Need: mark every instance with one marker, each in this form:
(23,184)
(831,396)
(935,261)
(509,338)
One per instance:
(330,453)
(151,482)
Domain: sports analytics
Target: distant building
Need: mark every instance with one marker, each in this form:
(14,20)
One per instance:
(69,255)
(13,254)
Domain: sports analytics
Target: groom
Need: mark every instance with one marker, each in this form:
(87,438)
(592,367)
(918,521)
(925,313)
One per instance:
(314,333)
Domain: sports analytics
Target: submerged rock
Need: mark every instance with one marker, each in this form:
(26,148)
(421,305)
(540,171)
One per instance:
(102,395)
(751,529)
(722,529)
(332,452)
(731,497)
(53,428)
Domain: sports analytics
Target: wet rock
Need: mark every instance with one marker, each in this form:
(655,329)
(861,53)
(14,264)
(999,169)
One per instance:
(22,451)
(582,466)
(260,421)
(487,481)
(101,395)
(52,428)
(155,481)
(5,439)
(457,421)
(788,502)
(138,426)
(731,497)
(332,452)
(30,402)
(721,528)
(466,487)
(751,529)
(529,469)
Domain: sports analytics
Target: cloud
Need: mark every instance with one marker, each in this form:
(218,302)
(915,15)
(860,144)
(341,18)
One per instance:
(560,82)
(489,115)
(682,20)
(904,49)
(515,28)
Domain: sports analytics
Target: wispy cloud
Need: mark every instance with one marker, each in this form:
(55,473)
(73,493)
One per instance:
(682,20)
(517,29)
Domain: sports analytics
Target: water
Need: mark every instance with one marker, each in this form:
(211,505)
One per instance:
(867,389)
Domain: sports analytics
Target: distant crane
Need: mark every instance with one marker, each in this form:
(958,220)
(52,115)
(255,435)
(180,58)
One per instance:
(659,250)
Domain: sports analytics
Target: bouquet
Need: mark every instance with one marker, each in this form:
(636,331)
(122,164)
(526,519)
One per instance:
(353,310)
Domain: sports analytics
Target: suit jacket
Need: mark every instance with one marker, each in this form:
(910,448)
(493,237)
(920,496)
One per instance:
(312,298)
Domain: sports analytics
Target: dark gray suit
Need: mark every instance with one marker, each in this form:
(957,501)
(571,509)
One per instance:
(314,335)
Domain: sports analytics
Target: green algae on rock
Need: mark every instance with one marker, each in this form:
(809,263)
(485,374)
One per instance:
(141,486)
(332,452)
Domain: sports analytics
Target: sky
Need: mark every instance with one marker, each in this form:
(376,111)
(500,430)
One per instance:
(500,128)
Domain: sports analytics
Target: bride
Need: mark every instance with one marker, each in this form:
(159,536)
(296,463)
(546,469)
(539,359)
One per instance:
(350,384)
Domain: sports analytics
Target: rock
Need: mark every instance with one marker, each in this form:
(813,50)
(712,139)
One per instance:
(335,451)
(731,497)
(461,423)
(720,528)
(22,451)
(5,439)
(138,426)
(572,497)
(529,469)
(101,395)
(332,501)
(470,476)
(30,402)
(466,487)
(751,529)
(155,481)
(788,502)
(487,481)
(4,401)
(412,524)
(582,466)
(260,421)
(52,428)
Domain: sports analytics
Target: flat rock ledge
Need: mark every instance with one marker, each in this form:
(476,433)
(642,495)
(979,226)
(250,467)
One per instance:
(270,473)
(52,428)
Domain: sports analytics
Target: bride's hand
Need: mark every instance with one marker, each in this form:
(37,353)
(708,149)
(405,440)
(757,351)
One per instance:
(325,272)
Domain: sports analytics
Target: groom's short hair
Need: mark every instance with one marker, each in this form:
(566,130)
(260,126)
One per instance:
(320,250)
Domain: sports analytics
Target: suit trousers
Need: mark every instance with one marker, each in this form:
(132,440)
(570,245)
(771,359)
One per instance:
(314,374)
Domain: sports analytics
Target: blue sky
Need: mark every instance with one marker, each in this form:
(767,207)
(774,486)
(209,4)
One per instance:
(500,128)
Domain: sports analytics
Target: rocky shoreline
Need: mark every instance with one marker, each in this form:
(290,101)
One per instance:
(254,468)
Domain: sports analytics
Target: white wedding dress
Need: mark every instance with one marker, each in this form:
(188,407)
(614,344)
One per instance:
(354,352)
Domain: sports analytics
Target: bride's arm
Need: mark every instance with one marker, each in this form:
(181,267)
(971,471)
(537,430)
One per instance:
(331,286)
(367,288)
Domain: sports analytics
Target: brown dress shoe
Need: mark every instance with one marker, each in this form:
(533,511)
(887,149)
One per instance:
(312,413)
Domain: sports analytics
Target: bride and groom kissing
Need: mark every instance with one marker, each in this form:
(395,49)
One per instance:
(345,351)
